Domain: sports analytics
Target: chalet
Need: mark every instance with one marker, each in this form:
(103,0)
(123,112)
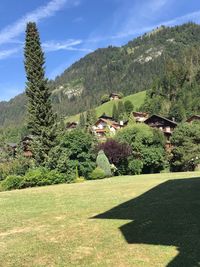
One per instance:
(140,116)
(107,125)
(114,96)
(71,125)
(165,125)
(193,118)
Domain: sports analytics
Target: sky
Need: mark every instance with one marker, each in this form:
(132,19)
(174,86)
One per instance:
(70,29)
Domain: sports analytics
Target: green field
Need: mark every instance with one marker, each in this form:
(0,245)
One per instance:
(148,220)
(137,100)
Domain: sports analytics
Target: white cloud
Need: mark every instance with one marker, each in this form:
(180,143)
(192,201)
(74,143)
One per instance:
(9,52)
(64,45)
(194,16)
(156,5)
(14,30)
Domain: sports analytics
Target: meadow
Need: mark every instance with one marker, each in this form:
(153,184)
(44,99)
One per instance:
(147,220)
(136,99)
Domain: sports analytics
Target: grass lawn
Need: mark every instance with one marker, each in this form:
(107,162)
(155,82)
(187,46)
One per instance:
(136,99)
(147,220)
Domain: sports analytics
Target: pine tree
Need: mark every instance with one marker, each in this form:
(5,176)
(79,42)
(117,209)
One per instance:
(115,113)
(91,117)
(82,121)
(128,107)
(41,120)
(121,110)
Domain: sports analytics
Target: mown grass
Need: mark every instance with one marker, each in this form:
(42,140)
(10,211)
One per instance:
(137,100)
(148,220)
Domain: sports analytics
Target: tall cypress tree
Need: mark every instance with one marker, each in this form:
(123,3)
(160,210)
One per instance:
(41,120)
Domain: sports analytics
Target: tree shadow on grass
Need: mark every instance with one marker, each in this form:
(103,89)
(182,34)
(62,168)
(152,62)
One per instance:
(168,214)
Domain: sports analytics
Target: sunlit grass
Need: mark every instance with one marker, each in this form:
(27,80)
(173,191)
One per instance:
(55,225)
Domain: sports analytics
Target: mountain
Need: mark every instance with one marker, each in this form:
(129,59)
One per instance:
(128,69)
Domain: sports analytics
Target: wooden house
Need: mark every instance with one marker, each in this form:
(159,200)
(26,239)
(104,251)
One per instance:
(114,96)
(106,125)
(140,116)
(165,125)
(193,118)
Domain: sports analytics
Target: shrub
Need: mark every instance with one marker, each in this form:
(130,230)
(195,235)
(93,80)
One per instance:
(12,182)
(75,149)
(186,147)
(147,146)
(17,166)
(80,179)
(42,176)
(35,177)
(115,151)
(97,173)
(135,166)
(128,107)
(103,163)
(105,98)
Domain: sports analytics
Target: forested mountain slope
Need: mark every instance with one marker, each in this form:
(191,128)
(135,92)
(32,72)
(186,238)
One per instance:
(128,69)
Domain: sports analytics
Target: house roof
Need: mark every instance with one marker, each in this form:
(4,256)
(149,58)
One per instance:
(100,130)
(27,137)
(160,117)
(193,117)
(70,124)
(109,122)
(140,113)
(114,94)
(104,116)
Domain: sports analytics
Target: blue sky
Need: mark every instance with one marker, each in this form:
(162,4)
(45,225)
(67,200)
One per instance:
(70,29)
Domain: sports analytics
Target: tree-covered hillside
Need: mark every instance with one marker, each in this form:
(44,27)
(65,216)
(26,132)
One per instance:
(176,93)
(127,69)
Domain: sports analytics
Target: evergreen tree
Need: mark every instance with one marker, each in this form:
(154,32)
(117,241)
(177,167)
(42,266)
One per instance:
(41,120)
(103,163)
(115,113)
(128,107)
(82,121)
(121,110)
(91,117)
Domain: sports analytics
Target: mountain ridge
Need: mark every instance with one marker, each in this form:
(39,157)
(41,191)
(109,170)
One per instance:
(128,69)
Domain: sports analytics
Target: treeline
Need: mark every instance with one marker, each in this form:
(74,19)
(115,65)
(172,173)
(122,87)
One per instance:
(176,94)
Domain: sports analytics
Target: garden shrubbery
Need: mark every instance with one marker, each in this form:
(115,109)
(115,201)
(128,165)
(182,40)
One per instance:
(18,166)
(97,173)
(35,177)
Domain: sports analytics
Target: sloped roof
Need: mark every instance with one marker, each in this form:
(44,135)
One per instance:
(193,117)
(160,117)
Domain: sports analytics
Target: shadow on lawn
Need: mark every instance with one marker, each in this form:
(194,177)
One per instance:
(168,214)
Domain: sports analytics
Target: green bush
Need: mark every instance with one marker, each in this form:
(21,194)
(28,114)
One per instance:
(80,179)
(35,177)
(103,163)
(75,150)
(12,182)
(105,98)
(42,176)
(135,166)
(17,166)
(97,173)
